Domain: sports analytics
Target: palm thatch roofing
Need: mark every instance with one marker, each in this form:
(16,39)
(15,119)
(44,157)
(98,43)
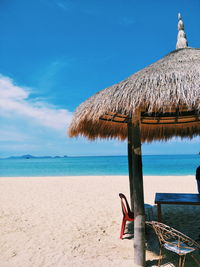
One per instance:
(166,93)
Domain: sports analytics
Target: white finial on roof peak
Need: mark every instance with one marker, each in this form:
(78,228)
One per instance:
(181,38)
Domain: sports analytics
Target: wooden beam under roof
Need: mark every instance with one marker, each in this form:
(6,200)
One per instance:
(178,117)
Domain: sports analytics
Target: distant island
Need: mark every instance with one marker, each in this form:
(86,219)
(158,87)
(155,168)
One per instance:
(36,157)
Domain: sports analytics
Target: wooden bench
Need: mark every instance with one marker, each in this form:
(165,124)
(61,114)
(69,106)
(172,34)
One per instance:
(175,198)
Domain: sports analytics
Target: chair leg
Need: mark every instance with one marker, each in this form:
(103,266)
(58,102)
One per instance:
(195,259)
(183,262)
(122,227)
(160,257)
(180,261)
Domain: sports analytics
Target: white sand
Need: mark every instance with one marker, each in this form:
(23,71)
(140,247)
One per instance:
(75,221)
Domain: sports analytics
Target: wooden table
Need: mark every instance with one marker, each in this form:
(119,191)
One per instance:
(175,198)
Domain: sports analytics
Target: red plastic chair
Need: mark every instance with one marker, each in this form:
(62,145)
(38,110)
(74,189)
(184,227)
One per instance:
(128,215)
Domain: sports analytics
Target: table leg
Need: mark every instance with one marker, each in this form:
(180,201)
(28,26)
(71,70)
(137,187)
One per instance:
(159,212)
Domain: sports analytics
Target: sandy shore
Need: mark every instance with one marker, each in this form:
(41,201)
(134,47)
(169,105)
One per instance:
(75,221)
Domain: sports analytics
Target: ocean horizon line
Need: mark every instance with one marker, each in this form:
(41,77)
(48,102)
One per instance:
(82,156)
(184,164)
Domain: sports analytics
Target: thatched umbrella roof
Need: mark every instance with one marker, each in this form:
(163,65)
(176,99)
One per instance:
(158,102)
(167,93)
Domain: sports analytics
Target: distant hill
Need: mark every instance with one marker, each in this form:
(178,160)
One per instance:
(35,157)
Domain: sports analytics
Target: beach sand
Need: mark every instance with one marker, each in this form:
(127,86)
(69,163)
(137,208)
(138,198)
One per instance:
(75,221)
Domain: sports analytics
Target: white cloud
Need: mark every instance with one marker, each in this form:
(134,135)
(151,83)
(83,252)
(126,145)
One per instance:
(15,101)
(9,134)
(61,4)
(126,21)
(186,140)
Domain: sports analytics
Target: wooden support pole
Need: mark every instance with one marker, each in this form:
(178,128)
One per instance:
(136,182)
(130,166)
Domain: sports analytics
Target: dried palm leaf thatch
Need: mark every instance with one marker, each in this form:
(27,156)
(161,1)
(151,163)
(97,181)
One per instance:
(168,85)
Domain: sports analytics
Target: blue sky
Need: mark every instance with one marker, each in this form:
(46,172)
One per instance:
(54,54)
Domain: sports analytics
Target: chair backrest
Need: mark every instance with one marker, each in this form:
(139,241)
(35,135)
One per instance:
(167,234)
(125,206)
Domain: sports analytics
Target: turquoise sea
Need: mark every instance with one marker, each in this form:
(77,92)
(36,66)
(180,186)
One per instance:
(101,165)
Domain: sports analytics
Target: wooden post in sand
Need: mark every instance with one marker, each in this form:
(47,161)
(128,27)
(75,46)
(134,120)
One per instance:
(130,166)
(136,184)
